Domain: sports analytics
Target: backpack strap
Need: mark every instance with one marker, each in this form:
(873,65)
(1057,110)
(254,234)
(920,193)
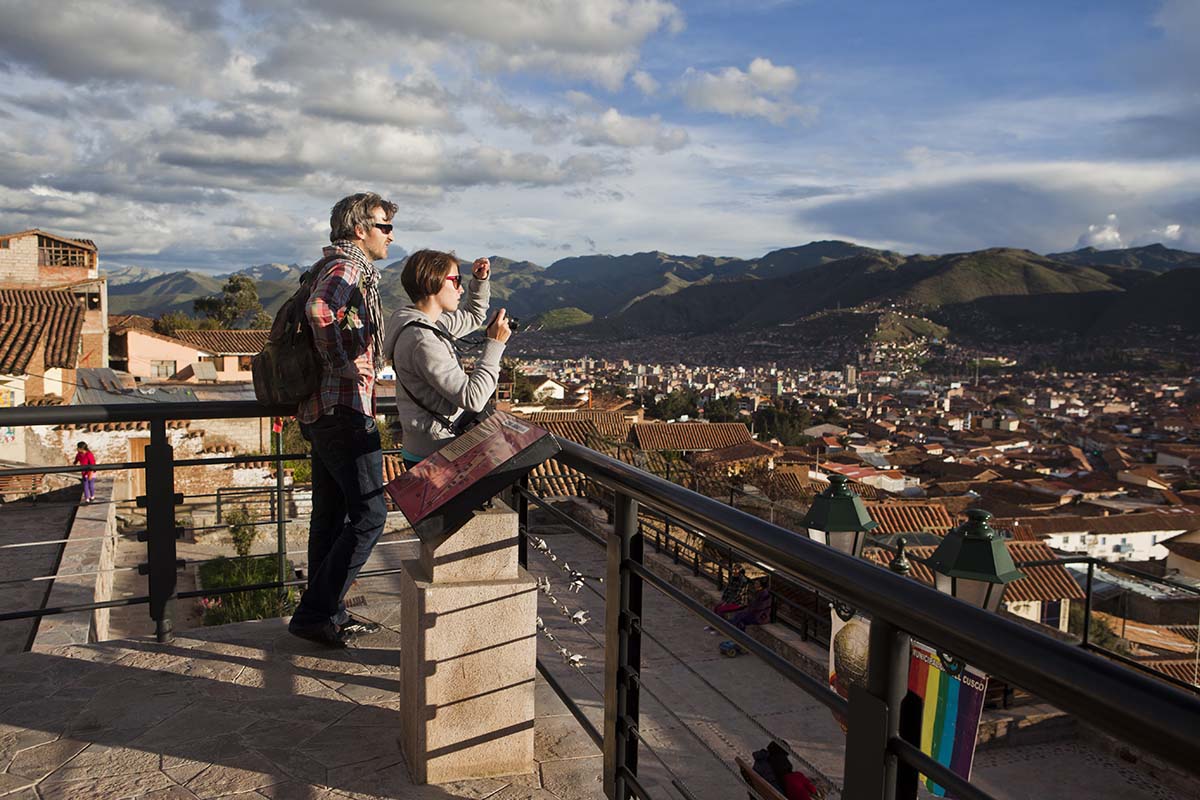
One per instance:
(441,334)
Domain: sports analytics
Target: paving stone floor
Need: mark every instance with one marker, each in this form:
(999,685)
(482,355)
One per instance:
(248,711)
(23,522)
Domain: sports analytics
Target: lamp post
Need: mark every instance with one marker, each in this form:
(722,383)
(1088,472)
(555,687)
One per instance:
(838,518)
(972,563)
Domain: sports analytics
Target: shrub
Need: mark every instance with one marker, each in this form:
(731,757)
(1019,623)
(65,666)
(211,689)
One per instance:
(241,606)
(241,529)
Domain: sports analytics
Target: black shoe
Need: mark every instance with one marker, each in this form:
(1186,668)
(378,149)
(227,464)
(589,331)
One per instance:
(325,633)
(359,627)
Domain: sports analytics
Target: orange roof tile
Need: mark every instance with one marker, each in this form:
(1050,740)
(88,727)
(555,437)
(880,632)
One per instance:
(244,342)
(687,436)
(905,517)
(1052,582)
(610,424)
(31,318)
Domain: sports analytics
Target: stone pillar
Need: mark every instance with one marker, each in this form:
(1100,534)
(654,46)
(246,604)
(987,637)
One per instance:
(468,653)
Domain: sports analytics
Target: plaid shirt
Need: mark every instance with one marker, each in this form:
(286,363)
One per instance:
(342,326)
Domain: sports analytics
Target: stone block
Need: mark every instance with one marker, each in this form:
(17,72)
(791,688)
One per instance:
(467,672)
(483,549)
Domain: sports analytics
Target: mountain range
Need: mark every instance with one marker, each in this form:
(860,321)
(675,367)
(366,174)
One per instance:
(1003,293)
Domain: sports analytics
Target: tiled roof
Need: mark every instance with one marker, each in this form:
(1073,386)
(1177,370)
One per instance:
(1181,669)
(580,431)
(903,517)
(1188,550)
(789,485)
(1160,637)
(610,424)
(245,342)
(32,318)
(1177,518)
(1052,582)
(121,321)
(745,451)
(686,436)
(554,479)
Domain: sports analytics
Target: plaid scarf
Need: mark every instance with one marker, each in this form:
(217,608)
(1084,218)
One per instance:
(370,289)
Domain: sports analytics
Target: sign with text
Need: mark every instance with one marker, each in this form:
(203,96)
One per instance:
(442,490)
(952,705)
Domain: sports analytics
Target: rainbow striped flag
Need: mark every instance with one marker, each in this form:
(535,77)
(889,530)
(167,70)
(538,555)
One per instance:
(953,705)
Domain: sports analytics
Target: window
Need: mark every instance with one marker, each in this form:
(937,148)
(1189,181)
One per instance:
(218,362)
(1103,540)
(244,363)
(162,369)
(1051,612)
(3,244)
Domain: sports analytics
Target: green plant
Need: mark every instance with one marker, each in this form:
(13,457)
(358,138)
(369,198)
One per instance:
(241,529)
(294,442)
(241,606)
(1099,633)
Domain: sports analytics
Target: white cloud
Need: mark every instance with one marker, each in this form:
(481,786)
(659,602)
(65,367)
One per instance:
(613,128)
(645,82)
(758,92)
(594,40)
(88,42)
(1106,236)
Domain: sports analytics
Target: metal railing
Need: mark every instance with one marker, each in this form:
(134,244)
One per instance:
(880,762)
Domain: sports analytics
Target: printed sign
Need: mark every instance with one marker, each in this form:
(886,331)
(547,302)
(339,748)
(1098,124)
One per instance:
(952,707)
(465,461)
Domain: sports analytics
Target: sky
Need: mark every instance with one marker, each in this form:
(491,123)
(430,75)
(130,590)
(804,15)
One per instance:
(184,134)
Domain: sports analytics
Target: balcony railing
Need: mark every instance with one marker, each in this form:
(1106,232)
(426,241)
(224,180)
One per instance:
(1141,711)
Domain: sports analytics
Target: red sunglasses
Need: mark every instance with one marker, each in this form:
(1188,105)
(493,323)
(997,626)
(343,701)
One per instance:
(455,279)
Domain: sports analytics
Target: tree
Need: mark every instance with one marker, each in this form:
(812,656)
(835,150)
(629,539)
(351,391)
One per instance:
(677,403)
(721,409)
(236,306)
(522,389)
(171,321)
(241,529)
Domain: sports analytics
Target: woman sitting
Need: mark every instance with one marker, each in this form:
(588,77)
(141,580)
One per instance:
(431,385)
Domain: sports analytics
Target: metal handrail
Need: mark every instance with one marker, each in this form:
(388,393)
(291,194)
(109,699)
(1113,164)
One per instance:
(1143,711)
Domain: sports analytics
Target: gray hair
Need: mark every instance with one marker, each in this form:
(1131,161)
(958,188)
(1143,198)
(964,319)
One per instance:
(356,210)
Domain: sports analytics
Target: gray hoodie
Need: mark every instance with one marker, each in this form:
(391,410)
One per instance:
(427,366)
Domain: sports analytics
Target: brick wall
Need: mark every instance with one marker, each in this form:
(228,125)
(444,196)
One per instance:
(18,261)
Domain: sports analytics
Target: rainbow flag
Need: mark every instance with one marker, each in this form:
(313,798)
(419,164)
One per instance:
(952,705)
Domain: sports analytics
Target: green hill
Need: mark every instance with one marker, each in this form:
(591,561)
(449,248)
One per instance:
(559,318)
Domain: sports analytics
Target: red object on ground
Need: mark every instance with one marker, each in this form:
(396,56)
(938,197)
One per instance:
(797,786)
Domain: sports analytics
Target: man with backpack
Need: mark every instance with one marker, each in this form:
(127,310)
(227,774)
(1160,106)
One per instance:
(349,505)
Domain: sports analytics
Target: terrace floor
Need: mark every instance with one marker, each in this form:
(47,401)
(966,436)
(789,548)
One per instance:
(250,712)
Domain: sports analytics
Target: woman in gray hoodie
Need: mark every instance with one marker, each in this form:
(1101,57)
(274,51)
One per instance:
(431,385)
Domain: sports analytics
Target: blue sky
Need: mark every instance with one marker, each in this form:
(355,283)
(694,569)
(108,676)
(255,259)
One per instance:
(213,136)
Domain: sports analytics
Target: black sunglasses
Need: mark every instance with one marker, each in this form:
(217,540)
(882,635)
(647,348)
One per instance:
(386,227)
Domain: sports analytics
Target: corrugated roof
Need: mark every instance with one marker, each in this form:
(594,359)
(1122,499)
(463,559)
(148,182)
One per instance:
(686,436)
(1052,582)
(233,342)
(46,318)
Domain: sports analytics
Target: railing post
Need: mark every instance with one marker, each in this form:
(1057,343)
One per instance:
(871,770)
(1087,603)
(523,522)
(622,649)
(161,567)
(280,522)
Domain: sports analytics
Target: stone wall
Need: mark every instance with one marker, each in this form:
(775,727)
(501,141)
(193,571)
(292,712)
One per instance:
(90,549)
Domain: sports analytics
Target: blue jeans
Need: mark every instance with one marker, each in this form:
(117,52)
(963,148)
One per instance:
(348,512)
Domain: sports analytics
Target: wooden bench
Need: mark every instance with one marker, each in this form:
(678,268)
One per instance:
(759,788)
(20,486)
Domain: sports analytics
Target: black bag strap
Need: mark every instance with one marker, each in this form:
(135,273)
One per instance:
(441,418)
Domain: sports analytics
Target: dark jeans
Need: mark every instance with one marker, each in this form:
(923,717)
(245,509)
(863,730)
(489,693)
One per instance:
(348,512)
